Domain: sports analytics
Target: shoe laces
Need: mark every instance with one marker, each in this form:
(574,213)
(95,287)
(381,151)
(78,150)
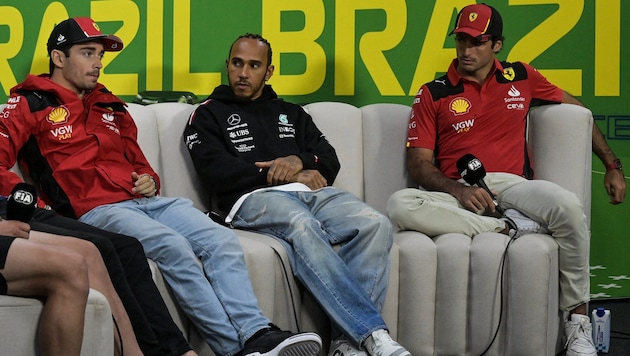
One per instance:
(519,224)
(379,341)
(576,330)
(345,347)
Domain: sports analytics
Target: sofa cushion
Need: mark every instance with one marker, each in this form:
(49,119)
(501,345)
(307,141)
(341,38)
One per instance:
(19,318)
(342,125)
(560,145)
(384,137)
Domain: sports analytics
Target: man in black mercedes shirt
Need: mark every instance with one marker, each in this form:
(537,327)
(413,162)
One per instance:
(271,168)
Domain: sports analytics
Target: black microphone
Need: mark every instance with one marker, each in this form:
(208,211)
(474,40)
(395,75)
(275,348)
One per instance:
(472,171)
(22,202)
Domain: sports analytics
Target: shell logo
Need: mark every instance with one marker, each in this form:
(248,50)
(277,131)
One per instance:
(460,106)
(58,115)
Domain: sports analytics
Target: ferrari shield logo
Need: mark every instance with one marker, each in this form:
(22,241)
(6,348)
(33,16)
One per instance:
(508,73)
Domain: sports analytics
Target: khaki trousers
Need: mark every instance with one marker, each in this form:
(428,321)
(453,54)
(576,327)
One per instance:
(557,209)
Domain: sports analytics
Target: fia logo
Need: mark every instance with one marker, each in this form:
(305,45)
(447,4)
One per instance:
(474,165)
(23,197)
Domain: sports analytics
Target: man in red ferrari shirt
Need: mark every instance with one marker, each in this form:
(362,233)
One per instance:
(78,142)
(480,107)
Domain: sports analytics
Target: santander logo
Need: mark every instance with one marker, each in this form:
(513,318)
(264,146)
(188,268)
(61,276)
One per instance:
(514,92)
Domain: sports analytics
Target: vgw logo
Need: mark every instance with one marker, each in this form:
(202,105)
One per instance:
(464,126)
(62,133)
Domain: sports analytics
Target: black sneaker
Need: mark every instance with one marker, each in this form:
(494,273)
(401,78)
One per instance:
(272,341)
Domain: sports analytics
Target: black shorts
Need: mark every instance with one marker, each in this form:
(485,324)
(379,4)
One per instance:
(5,243)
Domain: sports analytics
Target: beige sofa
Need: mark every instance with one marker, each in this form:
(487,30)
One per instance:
(19,318)
(18,326)
(443,296)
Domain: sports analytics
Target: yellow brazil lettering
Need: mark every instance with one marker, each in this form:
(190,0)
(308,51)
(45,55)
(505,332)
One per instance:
(12,18)
(434,57)
(302,41)
(155,44)
(323,52)
(550,31)
(607,47)
(371,45)
(128,13)
(183,79)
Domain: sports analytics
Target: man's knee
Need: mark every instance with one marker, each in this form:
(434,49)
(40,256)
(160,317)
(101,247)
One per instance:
(69,270)
(398,209)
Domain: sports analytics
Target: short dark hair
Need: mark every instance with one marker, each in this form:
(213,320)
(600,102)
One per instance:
(257,37)
(51,65)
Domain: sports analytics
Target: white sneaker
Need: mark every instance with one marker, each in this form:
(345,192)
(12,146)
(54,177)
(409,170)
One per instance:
(578,331)
(381,344)
(343,347)
(521,225)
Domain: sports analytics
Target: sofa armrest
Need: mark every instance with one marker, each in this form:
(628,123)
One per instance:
(19,318)
(560,144)
(160,129)
(341,124)
(384,152)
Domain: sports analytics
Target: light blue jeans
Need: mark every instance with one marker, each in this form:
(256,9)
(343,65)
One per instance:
(557,209)
(350,284)
(217,297)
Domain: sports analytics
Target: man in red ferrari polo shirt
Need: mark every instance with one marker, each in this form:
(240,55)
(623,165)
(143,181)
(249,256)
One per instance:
(480,107)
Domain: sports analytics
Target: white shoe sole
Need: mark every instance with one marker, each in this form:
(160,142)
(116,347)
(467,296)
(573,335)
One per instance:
(305,344)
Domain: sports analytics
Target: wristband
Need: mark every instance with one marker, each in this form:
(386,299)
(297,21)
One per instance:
(154,184)
(616,164)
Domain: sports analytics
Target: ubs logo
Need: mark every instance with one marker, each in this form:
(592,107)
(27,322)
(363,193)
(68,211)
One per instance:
(234,119)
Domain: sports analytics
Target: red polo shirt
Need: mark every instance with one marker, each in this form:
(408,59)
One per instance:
(454,116)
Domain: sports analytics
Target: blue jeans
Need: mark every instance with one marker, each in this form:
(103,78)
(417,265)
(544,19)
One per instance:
(217,297)
(350,284)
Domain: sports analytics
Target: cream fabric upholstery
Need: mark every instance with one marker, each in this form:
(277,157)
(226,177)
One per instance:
(19,318)
(465,296)
(443,297)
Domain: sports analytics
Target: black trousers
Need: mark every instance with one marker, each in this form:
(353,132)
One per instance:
(124,257)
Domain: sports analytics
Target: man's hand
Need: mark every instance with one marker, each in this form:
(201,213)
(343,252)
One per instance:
(312,179)
(615,185)
(475,199)
(143,184)
(14,228)
(282,170)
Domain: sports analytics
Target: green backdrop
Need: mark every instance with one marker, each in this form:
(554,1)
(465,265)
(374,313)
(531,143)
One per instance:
(359,52)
